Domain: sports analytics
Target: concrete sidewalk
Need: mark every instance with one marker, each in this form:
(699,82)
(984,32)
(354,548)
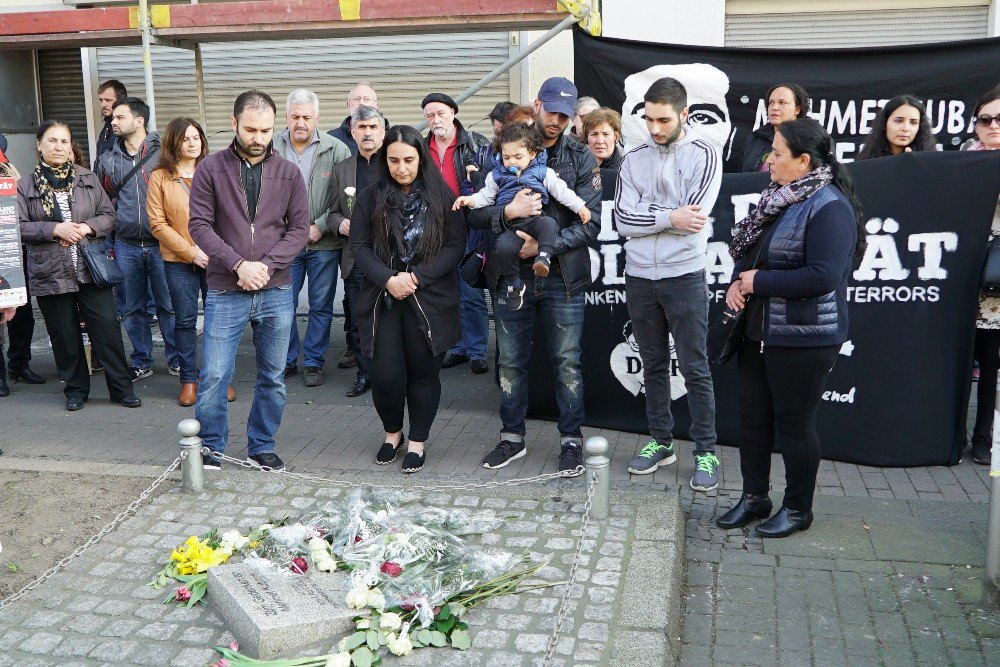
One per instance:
(888,574)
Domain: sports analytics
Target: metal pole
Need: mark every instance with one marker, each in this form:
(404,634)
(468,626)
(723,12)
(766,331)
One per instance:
(147,61)
(199,79)
(991,575)
(500,69)
(192,467)
(599,464)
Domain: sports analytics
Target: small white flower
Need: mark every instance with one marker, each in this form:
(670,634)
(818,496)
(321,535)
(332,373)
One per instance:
(265,526)
(375,599)
(233,540)
(349,191)
(364,624)
(342,659)
(357,598)
(399,645)
(390,621)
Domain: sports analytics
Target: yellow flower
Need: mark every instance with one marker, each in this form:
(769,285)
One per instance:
(195,556)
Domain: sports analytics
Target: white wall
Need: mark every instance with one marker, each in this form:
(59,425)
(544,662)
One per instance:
(702,22)
(555,58)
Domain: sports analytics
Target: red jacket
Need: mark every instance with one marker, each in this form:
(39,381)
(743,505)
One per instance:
(220,226)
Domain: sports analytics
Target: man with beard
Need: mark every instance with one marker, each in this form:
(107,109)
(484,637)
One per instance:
(252,241)
(110,92)
(666,188)
(560,303)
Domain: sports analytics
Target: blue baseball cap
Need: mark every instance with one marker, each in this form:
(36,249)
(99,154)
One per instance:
(558,95)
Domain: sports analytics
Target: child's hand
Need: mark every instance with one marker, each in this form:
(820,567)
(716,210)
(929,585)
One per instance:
(462,201)
(469,169)
(584,214)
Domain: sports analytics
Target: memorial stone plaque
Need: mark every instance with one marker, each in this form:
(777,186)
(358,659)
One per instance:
(272,614)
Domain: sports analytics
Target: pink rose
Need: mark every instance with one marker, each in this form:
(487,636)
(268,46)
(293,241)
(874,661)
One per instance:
(299,565)
(182,594)
(391,569)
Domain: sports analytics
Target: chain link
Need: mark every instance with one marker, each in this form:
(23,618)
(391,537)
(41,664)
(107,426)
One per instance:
(205,451)
(94,539)
(563,603)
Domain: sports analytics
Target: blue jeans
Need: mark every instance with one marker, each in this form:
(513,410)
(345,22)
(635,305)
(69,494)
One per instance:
(321,267)
(186,282)
(562,318)
(475,322)
(270,313)
(143,269)
(677,306)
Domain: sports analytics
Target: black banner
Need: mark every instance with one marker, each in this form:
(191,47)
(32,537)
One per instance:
(726,86)
(898,394)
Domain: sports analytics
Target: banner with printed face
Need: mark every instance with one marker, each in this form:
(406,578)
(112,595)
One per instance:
(727,87)
(13,291)
(898,393)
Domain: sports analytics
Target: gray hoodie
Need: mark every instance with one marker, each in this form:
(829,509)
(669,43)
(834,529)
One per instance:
(653,181)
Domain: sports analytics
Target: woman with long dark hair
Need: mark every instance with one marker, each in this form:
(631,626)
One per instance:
(986,117)
(793,257)
(901,127)
(785,101)
(182,147)
(61,206)
(407,242)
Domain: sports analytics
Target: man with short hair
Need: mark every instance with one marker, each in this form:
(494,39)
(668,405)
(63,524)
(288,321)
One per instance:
(666,189)
(560,303)
(124,172)
(314,154)
(361,95)
(108,93)
(251,241)
(454,149)
(352,176)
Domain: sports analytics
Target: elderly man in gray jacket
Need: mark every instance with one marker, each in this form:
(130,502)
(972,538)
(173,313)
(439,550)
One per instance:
(314,153)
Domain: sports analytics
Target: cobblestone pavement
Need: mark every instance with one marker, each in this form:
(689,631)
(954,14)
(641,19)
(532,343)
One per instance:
(888,574)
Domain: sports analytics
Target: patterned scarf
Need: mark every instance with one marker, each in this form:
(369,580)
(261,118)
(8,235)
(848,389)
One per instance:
(48,180)
(773,202)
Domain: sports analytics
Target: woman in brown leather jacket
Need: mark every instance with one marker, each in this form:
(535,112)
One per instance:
(61,207)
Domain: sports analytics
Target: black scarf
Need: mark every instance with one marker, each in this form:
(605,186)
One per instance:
(48,180)
(411,217)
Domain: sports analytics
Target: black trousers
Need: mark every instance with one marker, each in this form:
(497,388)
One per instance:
(96,305)
(987,353)
(404,372)
(20,330)
(780,392)
(543,229)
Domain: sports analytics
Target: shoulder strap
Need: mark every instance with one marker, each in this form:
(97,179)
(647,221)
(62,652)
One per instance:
(121,184)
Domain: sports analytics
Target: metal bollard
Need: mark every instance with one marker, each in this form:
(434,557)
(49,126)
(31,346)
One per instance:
(192,468)
(599,464)
(991,575)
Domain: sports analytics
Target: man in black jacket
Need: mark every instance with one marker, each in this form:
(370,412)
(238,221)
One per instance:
(361,95)
(560,303)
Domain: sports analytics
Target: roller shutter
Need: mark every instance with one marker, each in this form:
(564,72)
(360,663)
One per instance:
(857,28)
(61,80)
(402,68)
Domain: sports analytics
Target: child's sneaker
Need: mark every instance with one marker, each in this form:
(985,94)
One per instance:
(542,264)
(514,294)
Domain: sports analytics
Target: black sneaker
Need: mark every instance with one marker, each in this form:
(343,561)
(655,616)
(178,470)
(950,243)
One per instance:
(291,370)
(571,460)
(210,462)
(266,461)
(138,373)
(504,453)
(542,264)
(981,452)
(514,294)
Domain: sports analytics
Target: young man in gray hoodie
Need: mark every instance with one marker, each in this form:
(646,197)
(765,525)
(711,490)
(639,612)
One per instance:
(666,189)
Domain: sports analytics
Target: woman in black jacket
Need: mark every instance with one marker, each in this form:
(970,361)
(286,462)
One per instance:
(793,259)
(785,101)
(901,127)
(407,241)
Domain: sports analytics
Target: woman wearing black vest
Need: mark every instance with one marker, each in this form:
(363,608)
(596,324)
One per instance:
(805,230)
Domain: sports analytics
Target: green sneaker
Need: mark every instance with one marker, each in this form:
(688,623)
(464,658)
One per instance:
(652,456)
(706,472)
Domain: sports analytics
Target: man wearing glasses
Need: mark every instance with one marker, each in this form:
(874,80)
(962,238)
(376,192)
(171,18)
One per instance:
(361,95)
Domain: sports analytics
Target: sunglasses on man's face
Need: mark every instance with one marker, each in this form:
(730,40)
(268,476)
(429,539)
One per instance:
(986,120)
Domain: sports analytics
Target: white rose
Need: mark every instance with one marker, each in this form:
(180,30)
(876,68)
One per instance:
(390,621)
(342,659)
(349,191)
(265,526)
(233,540)
(357,598)
(363,624)
(375,599)
(400,645)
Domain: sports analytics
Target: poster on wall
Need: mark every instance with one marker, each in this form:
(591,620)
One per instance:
(13,291)
(899,391)
(727,87)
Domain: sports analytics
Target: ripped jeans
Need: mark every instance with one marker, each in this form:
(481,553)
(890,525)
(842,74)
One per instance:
(562,319)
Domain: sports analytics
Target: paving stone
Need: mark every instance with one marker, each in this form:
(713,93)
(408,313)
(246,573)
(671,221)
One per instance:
(40,643)
(530,643)
(76,646)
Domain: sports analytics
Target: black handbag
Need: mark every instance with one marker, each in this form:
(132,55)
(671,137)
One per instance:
(990,282)
(473,265)
(102,264)
(725,336)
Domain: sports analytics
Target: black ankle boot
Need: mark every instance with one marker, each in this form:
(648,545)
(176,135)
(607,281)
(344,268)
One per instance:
(784,523)
(4,389)
(749,507)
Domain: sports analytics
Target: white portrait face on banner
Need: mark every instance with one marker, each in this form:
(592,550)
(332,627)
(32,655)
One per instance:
(706,87)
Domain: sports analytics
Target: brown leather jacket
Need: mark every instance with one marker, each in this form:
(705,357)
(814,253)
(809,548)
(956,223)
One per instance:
(167,205)
(50,269)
